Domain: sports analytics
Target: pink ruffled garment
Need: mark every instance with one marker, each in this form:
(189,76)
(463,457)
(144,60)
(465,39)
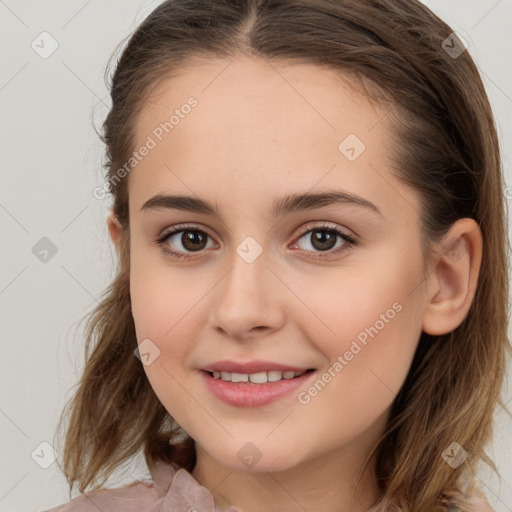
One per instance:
(172,490)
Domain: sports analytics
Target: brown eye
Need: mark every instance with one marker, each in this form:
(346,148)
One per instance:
(193,240)
(323,239)
(189,239)
(182,242)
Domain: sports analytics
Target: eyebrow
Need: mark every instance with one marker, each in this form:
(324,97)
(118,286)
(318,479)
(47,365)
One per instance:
(282,206)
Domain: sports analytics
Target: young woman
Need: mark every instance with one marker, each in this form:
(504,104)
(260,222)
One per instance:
(310,311)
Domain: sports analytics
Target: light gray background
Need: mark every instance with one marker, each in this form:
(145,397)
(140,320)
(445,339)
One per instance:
(50,163)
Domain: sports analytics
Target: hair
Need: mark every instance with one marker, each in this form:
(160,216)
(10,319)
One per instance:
(446,148)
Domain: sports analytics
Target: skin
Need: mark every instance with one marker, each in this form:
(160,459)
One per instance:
(261,131)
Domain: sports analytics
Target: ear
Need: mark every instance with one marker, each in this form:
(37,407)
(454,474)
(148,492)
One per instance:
(114,228)
(453,280)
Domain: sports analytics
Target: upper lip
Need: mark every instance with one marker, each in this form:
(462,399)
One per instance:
(250,367)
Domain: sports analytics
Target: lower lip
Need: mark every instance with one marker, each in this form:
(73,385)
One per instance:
(253,395)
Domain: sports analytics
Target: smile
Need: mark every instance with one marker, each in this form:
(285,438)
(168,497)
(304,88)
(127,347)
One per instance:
(254,389)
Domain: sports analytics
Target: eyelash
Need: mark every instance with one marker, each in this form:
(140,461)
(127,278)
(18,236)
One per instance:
(349,240)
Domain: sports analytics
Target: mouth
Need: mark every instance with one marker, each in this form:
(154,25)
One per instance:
(255,389)
(258,377)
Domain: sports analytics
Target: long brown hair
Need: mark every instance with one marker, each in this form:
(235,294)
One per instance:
(446,149)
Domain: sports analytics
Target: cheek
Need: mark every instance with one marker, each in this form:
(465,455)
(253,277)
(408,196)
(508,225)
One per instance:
(365,370)
(160,315)
(160,295)
(163,301)
(354,304)
(369,324)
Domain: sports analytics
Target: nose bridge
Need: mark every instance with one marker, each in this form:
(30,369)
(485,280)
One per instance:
(247,297)
(248,277)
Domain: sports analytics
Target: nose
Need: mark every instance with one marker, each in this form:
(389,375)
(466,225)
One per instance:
(248,301)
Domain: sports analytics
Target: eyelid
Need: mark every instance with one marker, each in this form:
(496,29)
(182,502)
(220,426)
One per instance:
(312,225)
(183,227)
(349,240)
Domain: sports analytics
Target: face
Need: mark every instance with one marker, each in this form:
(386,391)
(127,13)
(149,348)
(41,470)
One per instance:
(329,286)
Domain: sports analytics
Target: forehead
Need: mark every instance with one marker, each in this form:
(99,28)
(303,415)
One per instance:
(258,127)
(278,94)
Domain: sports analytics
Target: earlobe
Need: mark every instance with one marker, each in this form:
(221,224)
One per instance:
(454,278)
(114,228)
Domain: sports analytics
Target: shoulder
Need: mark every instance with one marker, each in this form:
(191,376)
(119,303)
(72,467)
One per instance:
(470,502)
(479,504)
(456,503)
(136,497)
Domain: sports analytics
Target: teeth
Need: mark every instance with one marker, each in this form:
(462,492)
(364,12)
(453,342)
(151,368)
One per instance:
(257,378)
(237,377)
(273,376)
